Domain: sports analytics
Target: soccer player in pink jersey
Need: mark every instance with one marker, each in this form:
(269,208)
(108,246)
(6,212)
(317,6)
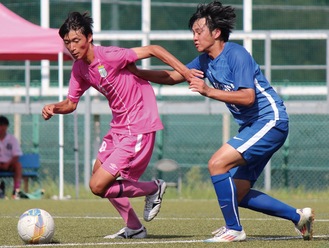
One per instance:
(127,147)
(10,150)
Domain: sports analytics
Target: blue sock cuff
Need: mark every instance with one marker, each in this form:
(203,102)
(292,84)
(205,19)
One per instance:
(219,177)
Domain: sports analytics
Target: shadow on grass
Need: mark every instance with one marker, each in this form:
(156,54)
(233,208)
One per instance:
(279,238)
(150,236)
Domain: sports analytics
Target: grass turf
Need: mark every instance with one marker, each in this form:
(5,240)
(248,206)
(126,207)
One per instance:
(180,223)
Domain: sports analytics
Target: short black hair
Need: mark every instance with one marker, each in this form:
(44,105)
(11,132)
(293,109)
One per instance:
(77,22)
(217,17)
(4,121)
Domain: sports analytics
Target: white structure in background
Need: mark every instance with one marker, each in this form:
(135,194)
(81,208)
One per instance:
(146,35)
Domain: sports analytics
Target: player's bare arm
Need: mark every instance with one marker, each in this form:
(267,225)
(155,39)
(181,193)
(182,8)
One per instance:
(160,77)
(169,59)
(243,96)
(63,107)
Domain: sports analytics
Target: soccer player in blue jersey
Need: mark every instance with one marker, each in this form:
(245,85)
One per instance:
(237,81)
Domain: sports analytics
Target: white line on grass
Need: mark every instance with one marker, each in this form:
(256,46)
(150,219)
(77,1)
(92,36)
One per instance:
(112,243)
(163,218)
(136,243)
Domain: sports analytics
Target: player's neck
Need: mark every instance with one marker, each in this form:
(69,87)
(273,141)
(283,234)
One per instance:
(216,49)
(90,56)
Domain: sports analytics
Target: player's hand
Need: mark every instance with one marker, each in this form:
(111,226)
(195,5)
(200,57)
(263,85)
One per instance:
(199,85)
(48,111)
(192,73)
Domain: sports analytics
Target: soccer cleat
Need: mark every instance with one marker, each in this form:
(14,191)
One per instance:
(153,202)
(224,234)
(16,194)
(305,225)
(127,233)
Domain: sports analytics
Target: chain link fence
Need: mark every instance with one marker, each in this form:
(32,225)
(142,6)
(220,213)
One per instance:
(189,139)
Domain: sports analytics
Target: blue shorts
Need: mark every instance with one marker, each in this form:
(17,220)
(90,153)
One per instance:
(257,143)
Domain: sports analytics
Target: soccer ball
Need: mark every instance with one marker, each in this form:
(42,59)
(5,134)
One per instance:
(36,226)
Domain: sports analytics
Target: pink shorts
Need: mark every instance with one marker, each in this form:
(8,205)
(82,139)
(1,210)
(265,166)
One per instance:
(127,154)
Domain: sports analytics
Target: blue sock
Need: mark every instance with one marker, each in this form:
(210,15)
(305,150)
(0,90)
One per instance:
(227,199)
(261,202)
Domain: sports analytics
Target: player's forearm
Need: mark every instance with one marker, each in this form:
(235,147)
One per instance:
(64,107)
(240,97)
(160,77)
(169,59)
(163,55)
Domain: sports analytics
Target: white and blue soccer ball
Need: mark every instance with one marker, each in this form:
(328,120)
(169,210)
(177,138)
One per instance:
(36,226)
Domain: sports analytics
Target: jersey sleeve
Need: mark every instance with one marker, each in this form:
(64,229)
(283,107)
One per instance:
(17,151)
(242,66)
(119,57)
(77,85)
(194,64)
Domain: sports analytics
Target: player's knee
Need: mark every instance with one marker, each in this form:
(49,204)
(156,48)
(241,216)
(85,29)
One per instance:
(97,189)
(217,166)
(213,164)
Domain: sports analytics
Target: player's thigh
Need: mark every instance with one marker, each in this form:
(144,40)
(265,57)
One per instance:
(100,181)
(96,165)
(224,159)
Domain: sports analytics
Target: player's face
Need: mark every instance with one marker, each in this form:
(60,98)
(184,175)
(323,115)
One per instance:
(77,44)
(202,37)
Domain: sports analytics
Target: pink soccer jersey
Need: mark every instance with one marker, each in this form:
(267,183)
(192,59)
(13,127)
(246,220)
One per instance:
(131,99)
(9,147)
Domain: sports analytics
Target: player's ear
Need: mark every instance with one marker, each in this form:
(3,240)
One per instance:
(216,33)
(90,38)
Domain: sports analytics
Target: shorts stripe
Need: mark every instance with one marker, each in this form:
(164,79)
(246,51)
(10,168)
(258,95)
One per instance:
(256,137)
(139,143)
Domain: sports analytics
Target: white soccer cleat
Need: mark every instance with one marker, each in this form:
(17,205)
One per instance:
(305,225)
(224,234)
(153,202)
(127,233)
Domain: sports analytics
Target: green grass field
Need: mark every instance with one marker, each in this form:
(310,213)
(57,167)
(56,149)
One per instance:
(180,223)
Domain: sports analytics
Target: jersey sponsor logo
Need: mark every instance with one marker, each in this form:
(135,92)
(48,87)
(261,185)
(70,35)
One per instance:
(237,138)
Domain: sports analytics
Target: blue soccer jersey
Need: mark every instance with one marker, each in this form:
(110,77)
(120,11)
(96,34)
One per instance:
(235,68)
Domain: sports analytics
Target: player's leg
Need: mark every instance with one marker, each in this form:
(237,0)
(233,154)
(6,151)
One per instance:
(219,165)
(134,228)
(128,157)
(242,151)
(258,155)
(261,202)
(140,148)
(17,167)
(104,184)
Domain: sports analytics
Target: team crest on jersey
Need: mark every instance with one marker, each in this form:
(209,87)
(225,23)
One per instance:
(102,71)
